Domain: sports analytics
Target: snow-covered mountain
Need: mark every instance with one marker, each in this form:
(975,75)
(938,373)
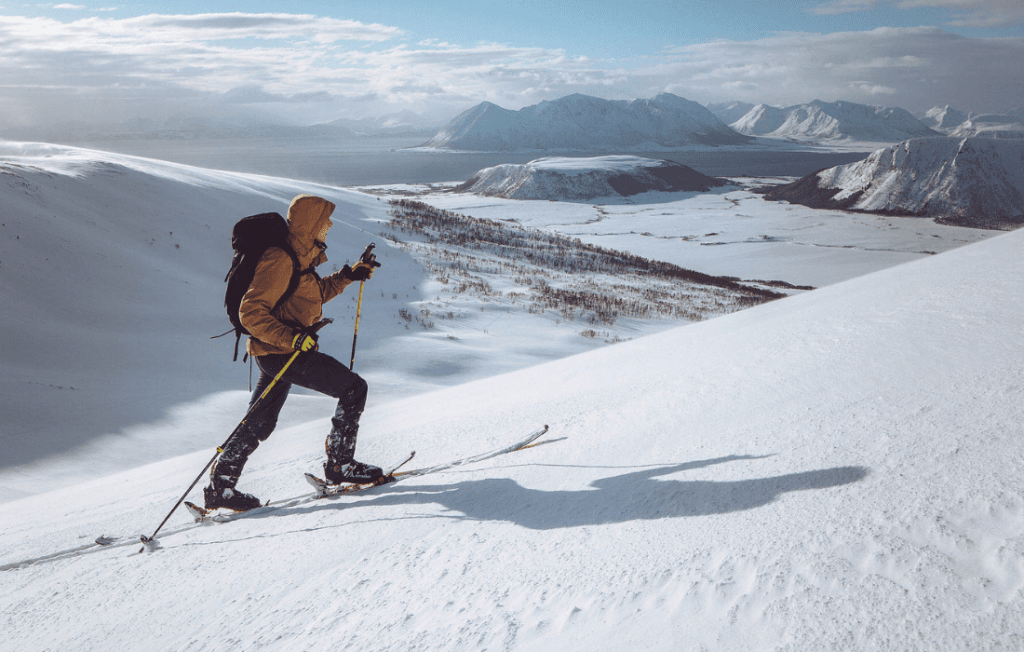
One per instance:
(944,118)
(404,123)
(959,124)
(969,181)
(581,122)
(839,470)
(761,120)
(991,126)
(730,112)
(832,121)
(576,179)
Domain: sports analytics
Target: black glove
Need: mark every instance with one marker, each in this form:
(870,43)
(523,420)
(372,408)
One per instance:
(305,340)
(361,272)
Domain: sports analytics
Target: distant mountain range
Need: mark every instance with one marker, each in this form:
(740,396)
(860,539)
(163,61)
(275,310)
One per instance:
(404,123)
(584,123)
(575,179)
(973,181)
(832,121)
(961,124)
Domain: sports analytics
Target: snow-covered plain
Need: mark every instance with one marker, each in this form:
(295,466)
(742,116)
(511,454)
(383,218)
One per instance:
(837,470)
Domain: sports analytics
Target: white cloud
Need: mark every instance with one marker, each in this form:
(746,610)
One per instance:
(837,7)
(311,68)
(914,68)
(963,13)
(867,88)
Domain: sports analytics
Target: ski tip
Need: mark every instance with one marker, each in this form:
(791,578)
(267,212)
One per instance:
(197,512)
(319,485)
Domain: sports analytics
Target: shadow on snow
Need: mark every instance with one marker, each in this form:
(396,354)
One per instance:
(628,497)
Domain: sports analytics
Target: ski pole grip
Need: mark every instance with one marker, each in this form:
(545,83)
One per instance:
(368,257)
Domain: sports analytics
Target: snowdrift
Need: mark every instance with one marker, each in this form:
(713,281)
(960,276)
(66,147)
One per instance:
(972,182)
(581,122)
(835,470)
(581,179)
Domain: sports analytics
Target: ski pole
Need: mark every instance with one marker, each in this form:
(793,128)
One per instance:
(369,259)
(148,541)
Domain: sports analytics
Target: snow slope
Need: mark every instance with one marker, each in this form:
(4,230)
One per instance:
(576,179)
(838,470)
(832,121)
(581,122)
(961,125)
(971,181)
(944,118)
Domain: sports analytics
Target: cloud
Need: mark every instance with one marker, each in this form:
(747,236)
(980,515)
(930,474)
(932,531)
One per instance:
(915,68)
(310,69)
(837,7)
(963,13)
(867,88)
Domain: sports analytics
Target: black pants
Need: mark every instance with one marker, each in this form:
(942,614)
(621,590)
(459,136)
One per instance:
(312,370)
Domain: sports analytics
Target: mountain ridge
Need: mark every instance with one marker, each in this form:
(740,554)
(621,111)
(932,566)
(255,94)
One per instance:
(583,122)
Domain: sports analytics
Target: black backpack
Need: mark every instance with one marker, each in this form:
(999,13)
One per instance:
(250,238)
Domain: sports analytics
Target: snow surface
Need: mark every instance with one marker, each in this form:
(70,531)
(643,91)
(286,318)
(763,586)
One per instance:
(971,178)
(959,124)
(116,266)
(563,178)
(581,122)
(837,470)
(827,121)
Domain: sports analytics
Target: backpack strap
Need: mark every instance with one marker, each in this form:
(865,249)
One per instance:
(293,284)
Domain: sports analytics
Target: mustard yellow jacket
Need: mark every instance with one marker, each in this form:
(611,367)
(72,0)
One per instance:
(272,330)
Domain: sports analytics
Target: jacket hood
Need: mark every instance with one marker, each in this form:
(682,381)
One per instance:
(309,218)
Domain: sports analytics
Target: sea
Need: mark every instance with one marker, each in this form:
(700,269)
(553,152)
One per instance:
(369,161)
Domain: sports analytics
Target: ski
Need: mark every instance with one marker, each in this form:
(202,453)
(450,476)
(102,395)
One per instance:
(203,516)
(324,490)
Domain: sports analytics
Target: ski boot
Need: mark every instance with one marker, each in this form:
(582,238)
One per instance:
(228,498)
(353,472)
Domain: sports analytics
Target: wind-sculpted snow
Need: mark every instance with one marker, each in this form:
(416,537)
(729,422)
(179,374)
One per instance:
(831,121)
(581,122)
(582,179)
(970,181)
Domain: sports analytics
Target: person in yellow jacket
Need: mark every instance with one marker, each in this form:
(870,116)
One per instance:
(275,334)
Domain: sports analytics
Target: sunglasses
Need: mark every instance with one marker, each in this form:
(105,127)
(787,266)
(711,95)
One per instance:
(321,245)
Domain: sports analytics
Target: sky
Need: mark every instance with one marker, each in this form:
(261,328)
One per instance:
(148,63)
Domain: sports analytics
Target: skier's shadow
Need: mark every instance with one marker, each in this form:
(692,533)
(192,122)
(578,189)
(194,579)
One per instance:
(617,499)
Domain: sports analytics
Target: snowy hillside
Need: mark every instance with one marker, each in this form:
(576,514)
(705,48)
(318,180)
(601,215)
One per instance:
(581,122)
(970,181)
(575,179)
(991,126)
(729,112)
(962,125)
(113,271)
(839,470)
(944,118)
(832,121)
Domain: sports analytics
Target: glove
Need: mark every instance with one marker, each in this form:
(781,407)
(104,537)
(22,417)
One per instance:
(305,340)
(360,272)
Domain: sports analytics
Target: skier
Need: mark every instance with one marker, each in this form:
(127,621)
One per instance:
(275,335)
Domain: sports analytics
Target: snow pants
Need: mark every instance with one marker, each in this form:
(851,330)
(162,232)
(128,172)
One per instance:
(312,370)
